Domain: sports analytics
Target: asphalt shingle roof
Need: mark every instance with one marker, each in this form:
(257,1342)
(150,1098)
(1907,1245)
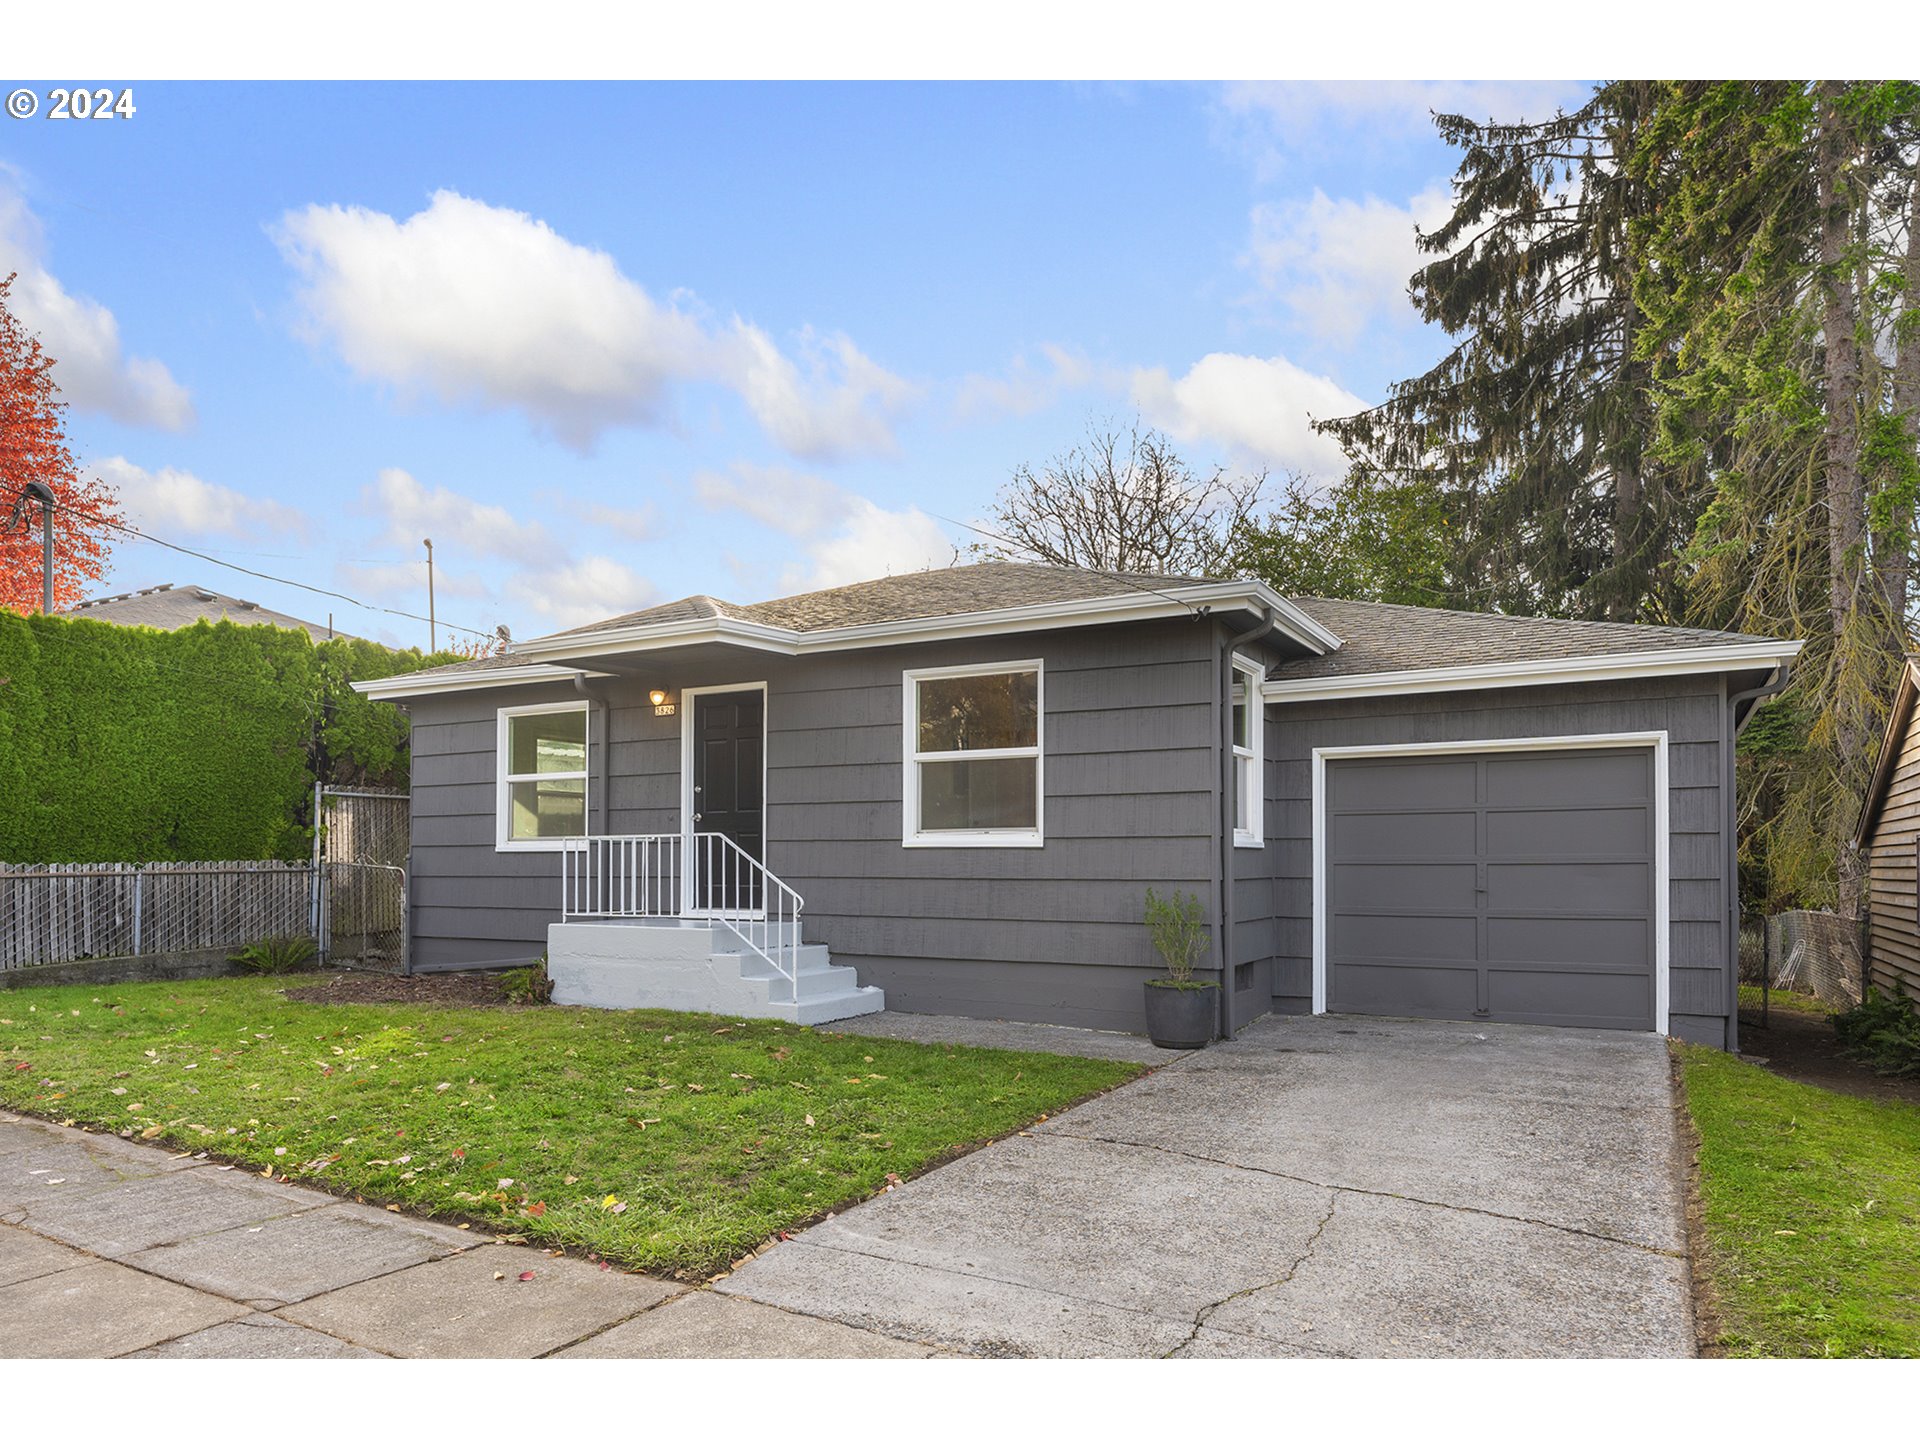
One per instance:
(922,594)
(174,607)
(1376,638)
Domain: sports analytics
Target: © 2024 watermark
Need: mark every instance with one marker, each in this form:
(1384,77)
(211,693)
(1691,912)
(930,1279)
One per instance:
(72,102)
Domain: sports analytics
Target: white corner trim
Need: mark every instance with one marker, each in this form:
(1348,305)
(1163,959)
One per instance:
(911,836)
(1698,660)
(1662,826)
(503,841)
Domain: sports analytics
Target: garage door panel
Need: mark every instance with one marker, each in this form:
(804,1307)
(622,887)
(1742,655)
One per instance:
(1405,937)
(1401,785)
(1569,777)
(1607,1001)
(1399,887)
(1585,887)
(1562,942)
(1397,834)
(1562,934)
(1568,832)
(1438,991)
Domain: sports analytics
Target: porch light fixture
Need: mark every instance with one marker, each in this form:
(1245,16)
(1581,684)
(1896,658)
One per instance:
(661,704)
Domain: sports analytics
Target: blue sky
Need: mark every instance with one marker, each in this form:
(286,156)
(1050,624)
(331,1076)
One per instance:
(612,344)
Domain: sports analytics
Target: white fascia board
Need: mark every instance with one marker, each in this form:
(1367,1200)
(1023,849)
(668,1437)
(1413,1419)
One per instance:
(428,682)
(1697,660)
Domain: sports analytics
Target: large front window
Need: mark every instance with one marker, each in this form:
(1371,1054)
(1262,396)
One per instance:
(973,755)
(543,774)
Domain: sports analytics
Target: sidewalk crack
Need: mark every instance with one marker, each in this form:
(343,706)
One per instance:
(1046,1134)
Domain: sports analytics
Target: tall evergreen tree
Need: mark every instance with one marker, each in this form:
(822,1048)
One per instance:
(1535,424)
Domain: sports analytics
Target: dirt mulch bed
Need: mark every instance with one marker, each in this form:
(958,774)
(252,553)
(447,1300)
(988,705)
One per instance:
(1803,1047)
(466,989)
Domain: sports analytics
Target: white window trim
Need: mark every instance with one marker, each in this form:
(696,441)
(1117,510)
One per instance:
(1656,740)
(911,836)
(502,801)
(1253,677)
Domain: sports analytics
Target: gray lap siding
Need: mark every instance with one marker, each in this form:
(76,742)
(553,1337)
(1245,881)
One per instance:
(1692,710)
(1052,933)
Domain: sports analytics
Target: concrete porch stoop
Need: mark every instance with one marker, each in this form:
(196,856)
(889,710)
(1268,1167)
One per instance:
(689,964)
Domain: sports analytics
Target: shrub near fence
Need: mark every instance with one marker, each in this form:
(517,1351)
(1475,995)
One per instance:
(58,914)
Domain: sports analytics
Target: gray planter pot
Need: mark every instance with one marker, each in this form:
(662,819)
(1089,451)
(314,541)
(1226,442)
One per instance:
(1181,1019)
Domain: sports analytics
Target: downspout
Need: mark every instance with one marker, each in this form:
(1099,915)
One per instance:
(606,746)
(1232,645)
(1735,724)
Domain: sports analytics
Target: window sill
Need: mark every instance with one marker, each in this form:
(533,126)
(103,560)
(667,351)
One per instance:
(966,840)
(511,847)
(1248,842)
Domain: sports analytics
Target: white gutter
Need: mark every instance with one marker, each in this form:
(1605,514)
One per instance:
(1695,660)
(431,682)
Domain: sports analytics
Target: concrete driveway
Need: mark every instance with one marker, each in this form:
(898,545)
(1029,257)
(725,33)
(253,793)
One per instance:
(1330,1186)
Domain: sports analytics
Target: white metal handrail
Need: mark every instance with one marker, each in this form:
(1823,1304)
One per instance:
(639,877)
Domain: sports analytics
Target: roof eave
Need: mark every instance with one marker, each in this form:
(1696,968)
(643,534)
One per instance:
(1105,609)
(1694,660)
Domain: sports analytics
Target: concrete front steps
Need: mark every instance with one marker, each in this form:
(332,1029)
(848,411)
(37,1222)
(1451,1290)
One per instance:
(689,965)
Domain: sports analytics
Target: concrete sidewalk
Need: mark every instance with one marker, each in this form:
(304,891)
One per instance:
(109,1248)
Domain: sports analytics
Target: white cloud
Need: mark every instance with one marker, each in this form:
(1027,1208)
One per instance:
(781,499)
(476,304)
(847,537)
(402,578)
(80,333)
(1259,408)
(636,522)
(872,543)
(1026,388)
(412,512)
(173,502)
(1339,264)
(578,592)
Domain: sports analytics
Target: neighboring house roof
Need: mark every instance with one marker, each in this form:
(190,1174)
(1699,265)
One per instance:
(174,607)
(1406,648)
(1894,741)
(1354,646)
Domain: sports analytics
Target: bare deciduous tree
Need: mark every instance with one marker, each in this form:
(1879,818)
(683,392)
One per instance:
(1123,500)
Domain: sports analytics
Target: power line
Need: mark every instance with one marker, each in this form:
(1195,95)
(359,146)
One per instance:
(99,519)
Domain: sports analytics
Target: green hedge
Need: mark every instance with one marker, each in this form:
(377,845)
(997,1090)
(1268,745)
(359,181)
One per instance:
(127,744)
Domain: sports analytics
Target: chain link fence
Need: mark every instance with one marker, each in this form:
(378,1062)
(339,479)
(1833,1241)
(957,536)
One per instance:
(52,914)
(1815,952)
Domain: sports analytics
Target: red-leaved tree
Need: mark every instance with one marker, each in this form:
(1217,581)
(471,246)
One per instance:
(33,446)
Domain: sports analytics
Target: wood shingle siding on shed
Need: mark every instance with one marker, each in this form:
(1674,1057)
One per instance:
(1891,838)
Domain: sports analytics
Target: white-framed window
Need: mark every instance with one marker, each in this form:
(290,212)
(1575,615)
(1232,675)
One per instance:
(1249,726)
(542,755)
(973,755)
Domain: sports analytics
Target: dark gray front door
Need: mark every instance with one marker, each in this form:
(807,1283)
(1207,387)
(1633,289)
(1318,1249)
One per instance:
(729,742)
(1513,886)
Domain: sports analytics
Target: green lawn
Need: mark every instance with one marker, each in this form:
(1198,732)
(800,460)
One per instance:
(1812,1212)
(668,1142)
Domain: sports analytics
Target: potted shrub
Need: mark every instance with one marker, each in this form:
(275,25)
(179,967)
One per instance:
(1180,1009)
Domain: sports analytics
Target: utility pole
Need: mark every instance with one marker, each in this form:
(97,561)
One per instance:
(43,494)
(433,633)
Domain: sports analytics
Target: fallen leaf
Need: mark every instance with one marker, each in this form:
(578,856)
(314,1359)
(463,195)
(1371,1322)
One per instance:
(526,1275)
(609,1202)
(809,1119)
(499,1274)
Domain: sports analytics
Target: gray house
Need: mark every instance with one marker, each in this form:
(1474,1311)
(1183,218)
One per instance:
(948,792)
